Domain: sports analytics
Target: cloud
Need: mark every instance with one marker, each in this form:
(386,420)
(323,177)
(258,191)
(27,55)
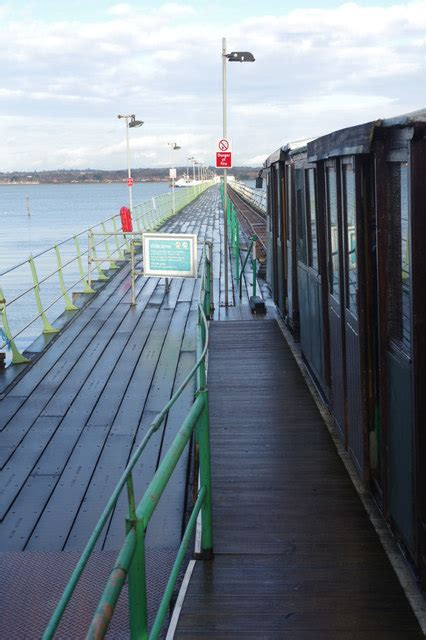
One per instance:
(316,69)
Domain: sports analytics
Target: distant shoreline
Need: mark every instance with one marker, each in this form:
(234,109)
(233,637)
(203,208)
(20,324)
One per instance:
(76,182)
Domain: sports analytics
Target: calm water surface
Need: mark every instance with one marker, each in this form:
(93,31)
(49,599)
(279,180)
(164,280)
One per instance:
(57,212)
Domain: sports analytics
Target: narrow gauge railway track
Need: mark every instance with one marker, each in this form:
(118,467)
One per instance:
(252,222)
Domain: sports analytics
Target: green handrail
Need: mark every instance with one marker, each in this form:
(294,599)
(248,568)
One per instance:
(131,558)
(254,267)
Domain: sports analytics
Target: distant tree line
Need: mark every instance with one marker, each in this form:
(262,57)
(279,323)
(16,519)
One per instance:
(96,175)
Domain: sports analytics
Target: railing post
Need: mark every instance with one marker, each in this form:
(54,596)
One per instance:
(92,252)
(47,327)
(117,243)
(203,433)
(17,357)
(112,264)
(237,249)
(69,306)
(132,271)
(154,213)
(254,266)
(138,610)
(208,300)
(87,289)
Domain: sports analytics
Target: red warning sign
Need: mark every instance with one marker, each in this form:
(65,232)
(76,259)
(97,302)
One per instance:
(130,182)
(223,160)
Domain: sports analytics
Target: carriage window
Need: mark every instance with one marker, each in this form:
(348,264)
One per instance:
(399,257)
(312,218)
(351,248)
(301,226)
(333,237)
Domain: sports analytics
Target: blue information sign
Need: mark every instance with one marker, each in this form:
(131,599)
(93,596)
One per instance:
(170,254)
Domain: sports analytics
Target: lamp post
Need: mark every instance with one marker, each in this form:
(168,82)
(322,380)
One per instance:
(173,147)
(234,56)
(130,125)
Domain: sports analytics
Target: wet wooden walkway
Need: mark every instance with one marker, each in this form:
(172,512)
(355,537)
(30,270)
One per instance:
(296,557)
(70,424)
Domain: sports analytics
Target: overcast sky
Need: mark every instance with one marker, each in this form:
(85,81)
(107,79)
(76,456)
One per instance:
(68,68)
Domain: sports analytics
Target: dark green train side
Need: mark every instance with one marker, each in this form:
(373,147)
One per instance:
(347,268)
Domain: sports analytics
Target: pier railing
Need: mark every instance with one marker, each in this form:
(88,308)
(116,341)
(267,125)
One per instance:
(234,244)
(130,562)
(255,197)
(35,292)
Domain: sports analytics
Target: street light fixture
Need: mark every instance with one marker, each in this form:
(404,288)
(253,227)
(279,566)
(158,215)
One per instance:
(173,147)
(129,125)
(234,56)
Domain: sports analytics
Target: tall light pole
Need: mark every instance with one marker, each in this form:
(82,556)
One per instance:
(130,125)
(234,56)
(173,147)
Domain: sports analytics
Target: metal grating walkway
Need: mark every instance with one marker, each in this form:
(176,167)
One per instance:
(296,556)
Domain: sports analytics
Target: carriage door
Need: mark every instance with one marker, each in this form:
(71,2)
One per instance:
(280,240)
(350,180)
(400,419)
(335,295)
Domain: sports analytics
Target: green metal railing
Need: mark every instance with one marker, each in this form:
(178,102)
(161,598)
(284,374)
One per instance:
(57,271)
(235,248)
(130,562)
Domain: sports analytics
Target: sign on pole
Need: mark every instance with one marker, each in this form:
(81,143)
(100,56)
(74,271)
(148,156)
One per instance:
(172,173)
(223,160)
(224,154)
(170,255)
(130,182)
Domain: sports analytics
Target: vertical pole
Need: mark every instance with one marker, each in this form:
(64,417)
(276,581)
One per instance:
(237,249)
(173,195)
(208,303)
(17,357)
(87,289)
(254,266)
(138,611)
(112,264)
(205,480)
(47,327)
(225,172)
(128,164)
(211,281)
(117,243)
(89,259)
(154,213)
(132,271)
(69,306)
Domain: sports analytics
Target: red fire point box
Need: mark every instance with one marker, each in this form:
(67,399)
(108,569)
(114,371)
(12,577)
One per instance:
(223,160)
(130,182)
(126,219)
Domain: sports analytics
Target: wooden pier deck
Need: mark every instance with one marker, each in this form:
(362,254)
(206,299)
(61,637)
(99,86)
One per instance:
(70,422)
(296,556)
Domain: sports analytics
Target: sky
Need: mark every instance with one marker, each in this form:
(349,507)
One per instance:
(67,69)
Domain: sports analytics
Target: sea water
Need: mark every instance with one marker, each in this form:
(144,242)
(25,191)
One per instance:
(34,218)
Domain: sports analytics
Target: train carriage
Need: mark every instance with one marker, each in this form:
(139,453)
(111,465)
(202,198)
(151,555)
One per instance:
(347,217)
